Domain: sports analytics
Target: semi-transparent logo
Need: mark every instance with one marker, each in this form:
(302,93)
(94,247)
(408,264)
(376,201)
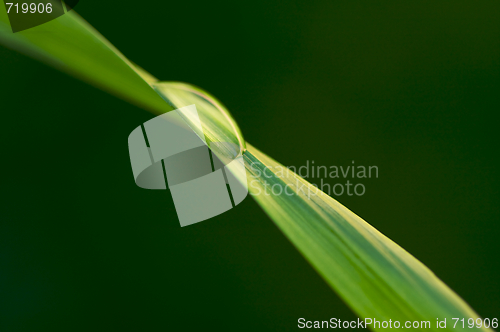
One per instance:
(166,152)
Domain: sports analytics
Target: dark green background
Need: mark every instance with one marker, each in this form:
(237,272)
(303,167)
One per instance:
(412,87)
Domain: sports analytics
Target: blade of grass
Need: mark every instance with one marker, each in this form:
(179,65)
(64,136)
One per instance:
(71,45)
(376,278)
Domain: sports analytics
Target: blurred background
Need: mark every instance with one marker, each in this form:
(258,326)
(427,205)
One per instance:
(411,87)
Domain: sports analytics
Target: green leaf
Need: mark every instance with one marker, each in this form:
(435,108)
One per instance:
(70,44)
(375,277)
